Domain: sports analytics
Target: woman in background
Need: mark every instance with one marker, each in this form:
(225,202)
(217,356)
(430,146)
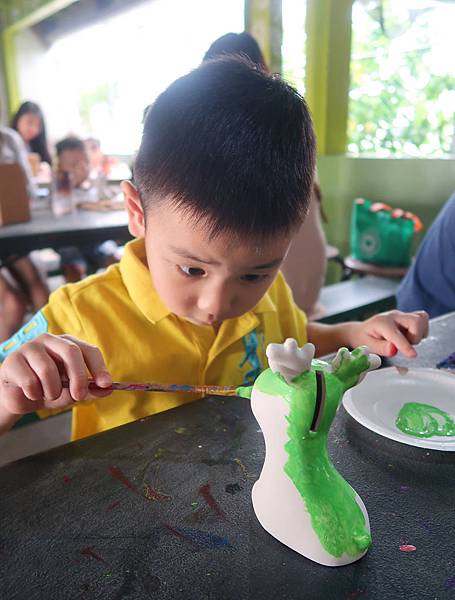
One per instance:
(306,262)
(29,123)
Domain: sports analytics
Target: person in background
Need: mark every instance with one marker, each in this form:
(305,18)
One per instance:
(100,168)
(306,262)
(305,265)
(430,282)
(21,284)
(72,157)
(29,123)
(242,44)
(95,156)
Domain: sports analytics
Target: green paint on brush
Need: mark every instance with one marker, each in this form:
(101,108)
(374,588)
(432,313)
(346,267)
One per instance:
(336,518)
(245,391)
(424,420)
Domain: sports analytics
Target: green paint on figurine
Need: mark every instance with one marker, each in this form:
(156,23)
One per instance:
(336,517)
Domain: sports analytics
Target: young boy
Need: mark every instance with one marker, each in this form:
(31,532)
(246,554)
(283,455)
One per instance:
(72,157)
(221,183)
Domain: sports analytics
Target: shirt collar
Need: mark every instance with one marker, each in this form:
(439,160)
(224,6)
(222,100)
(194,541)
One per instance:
(139,284)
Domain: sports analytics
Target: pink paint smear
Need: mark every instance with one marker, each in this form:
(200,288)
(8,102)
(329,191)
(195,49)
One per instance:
(407,548)
(204,491)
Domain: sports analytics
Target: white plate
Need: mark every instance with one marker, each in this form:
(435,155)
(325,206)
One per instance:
(376,402)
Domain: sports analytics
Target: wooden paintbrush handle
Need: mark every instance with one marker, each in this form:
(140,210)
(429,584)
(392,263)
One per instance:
(158,387)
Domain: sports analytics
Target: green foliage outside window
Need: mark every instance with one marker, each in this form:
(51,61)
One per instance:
(402,96)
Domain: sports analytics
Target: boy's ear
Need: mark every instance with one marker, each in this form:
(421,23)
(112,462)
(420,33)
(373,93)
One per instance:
(136,219)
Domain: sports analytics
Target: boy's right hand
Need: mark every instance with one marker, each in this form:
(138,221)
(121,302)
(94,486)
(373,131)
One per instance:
(31,377)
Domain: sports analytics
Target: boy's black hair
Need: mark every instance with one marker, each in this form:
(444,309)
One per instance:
(69,143)
(232,146)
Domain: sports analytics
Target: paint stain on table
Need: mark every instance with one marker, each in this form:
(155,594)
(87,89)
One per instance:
(205,492)
(152,494)
(118,474)
(92,554)
(149,492)
(198,538)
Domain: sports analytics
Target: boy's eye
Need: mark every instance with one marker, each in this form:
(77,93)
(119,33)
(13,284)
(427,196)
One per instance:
(253,277)
(192,271)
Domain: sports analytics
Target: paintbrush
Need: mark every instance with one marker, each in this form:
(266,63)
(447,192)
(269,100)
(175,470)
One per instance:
(127,386)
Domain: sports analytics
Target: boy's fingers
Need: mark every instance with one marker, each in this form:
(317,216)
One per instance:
(381,347)
(99,393)
(415,325)
(69,353)
(62,401)
(95,364)
(425,322)
(390,333)
(17,372)
(14,400)
(45,369)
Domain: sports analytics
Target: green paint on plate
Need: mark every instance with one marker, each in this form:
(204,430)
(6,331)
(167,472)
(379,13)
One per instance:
(424,420)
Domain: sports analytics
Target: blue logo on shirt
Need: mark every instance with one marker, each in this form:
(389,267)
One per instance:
(250,343)
(29,331)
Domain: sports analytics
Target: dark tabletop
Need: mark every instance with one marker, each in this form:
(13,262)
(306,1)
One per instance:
(47,231)
(161,508)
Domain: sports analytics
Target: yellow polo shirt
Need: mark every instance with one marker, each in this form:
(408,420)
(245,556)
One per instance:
(120,312)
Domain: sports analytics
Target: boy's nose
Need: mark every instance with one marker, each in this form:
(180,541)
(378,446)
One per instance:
(214,305)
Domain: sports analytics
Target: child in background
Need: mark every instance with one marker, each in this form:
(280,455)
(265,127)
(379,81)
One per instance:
(100,164)
(86,164)
(95,156)
(21,284)
(72,157)
(100,168)
(222,183)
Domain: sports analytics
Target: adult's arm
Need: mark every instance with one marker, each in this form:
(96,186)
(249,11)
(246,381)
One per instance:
(306,262)
(430,282)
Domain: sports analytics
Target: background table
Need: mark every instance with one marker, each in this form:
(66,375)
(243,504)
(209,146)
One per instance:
(47,231)
(161,508)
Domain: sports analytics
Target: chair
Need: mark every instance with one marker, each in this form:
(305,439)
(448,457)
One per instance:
(353,266)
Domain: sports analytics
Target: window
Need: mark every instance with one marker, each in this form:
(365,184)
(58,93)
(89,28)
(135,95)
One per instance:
(104,76)
(293,45)
(402,96)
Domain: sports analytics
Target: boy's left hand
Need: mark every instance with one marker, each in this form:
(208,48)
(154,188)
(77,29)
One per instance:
(390,332)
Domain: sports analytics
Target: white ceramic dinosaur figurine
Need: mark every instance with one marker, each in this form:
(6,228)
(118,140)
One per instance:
(300,498)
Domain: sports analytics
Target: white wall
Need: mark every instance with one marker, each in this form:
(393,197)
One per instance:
(35,82)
